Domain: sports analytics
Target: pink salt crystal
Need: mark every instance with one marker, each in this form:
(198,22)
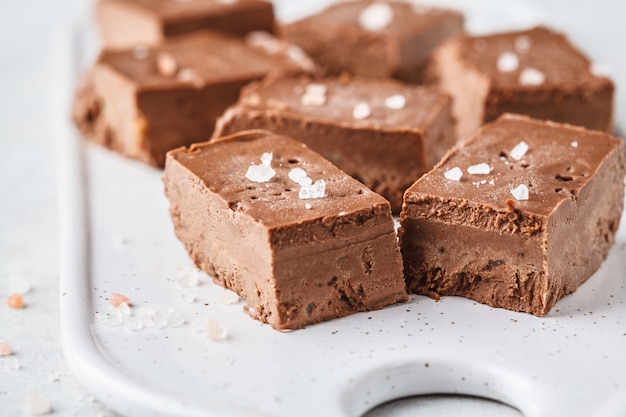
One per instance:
(116,299)
(5,348)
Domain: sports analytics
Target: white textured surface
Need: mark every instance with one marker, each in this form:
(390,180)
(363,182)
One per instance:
(29,231)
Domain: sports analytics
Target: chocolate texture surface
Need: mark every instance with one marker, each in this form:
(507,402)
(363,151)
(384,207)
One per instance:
(535,72)
(142,102)
(392,39)
(252,212)
(527,227)
(384,133)
(126,23)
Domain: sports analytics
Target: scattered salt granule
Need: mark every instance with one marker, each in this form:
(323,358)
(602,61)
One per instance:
(519,150)
(307,206)
(188,277)
(174,319)
(166,64)
(522,43)
(507,62)
(141,52)
(314,95)
(228,297)
(574,144)
(199,325)
(376,16)
(531,76)
(481,168)
(5,348)
(520,192)
(15,300)
(361,111)
(453,174)
(341,213)
(316,190)
(299,176)
(395,102)
(216,331)
(188,295)
(9,363)
(36,404)
(116,299)
(263,172)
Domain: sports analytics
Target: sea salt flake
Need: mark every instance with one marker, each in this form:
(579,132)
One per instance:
(520,193)
(307,206)
(188,295)
(187,277)
(266,158)
(315,190)
(296,174)
(314,95)
(5,348)
(531,76)
(453,174)
(199,324)
(174,319)
(124,309)
(216,331)
(166,64)
(376,16)
(481,168)
(395,102)
(260,173)
(574,144)
(9,363)
(361,111)
(507,62)
(519,150)
(228,297)
(36,404)
(133,324)
(522,43)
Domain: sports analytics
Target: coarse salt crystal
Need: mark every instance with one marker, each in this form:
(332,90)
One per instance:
(228,297)
(174,319)
(188,295)
(531,76)
(342,213)
(519,150)
(376,16)
(15,301)
(315,190)
(520,192)
(522,43)
(36,404)
(507,62)
(187,277)
(481,168)
(166,64)
(116,299)
(314,95)
(297,174)
(216,331)
(307,206)
(133,324)
(574,144)
(361,111)
(124,309)
(263,172)
(395,102)
(453,174)
(5,348)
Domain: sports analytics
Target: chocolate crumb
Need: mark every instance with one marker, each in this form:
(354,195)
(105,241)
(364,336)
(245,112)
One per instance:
(510,205)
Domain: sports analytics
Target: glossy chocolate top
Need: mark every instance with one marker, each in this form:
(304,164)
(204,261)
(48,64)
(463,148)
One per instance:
(198,59)
(556,163)
(224,167)
(533,58)
(378,104)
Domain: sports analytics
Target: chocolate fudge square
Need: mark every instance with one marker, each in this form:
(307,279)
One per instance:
(298,239)
(384,133)
(125,23)
(142,102)
(535,72)
(517,217)
(392,39)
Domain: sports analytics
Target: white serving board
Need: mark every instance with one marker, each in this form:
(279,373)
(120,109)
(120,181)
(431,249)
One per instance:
(117,237)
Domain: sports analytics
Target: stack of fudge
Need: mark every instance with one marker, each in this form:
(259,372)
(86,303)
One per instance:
(288,149)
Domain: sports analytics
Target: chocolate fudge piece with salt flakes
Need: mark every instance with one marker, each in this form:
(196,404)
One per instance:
(535,72)
(298,239)
(384,133)
(126,23)
(142,102)
(384,39)
(517,217)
